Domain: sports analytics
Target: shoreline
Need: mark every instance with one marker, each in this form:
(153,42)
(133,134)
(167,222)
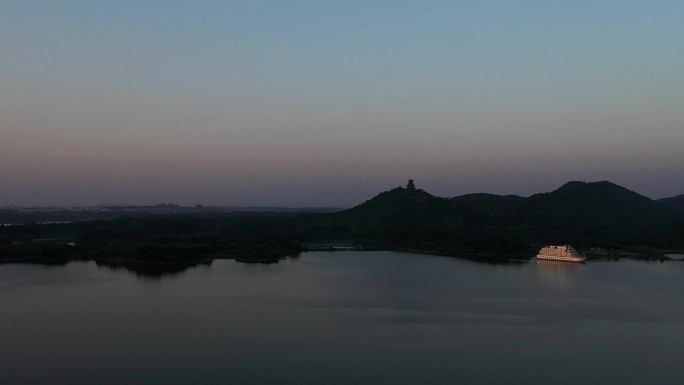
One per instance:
(179,262)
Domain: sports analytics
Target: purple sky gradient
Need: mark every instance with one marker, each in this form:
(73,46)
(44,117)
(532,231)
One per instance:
(326,104)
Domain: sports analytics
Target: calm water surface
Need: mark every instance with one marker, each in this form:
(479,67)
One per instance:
(345,318)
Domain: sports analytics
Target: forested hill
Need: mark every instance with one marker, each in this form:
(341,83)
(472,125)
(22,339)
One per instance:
(404,204)
(598,203)
(675,203)
(597,214)
(578,202)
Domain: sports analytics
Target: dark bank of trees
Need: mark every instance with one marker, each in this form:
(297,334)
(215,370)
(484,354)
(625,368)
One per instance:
(477,225)
(173,241)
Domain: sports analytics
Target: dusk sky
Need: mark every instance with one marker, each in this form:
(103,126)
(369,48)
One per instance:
(326,103)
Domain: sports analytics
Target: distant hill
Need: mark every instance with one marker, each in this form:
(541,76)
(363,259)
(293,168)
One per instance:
(676,203)
(598,213)
(413,219)
(498,206)
(586,214)
(597,202)
(405,204)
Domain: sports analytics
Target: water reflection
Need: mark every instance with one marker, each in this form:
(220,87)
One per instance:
(157,270)
(152,270)
(557,266)
(496,260)
(557,271)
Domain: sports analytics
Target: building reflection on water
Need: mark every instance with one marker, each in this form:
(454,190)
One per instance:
(557,271)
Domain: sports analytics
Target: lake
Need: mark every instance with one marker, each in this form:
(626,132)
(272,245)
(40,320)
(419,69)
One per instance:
(345,318)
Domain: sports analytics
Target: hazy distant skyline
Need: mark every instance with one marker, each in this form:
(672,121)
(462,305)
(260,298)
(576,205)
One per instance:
(322,103)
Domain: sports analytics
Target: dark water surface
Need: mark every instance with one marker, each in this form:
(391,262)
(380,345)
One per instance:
(345,318)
